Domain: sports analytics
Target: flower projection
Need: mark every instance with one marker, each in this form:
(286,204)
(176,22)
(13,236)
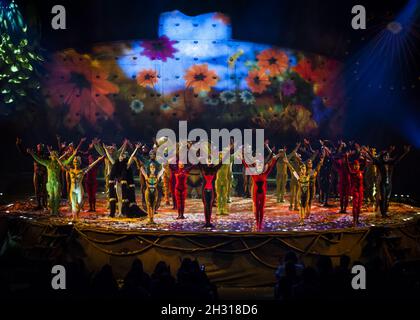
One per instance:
(200,78)
(258,81)
(195,71)
(147,78)
(288,88)
(74,81)
(274,61)
(160,49)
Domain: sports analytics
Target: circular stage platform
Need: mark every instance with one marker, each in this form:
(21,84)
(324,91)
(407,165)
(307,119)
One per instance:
(232,251)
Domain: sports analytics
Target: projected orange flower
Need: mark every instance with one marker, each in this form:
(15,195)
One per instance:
(200,78)
(257,81)
(304,69)
(147,78)
(77,82)
(274,61)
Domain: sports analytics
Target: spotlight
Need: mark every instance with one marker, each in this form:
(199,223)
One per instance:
(394,27)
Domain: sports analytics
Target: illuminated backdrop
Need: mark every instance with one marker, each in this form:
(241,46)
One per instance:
(194,71)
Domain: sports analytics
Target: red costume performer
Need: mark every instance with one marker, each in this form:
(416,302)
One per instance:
(91,184)
(180,173)
(259,190)
(344,182)
(209,173)
(356,188)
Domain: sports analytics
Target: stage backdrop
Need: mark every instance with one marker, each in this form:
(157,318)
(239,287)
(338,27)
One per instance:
(193,71)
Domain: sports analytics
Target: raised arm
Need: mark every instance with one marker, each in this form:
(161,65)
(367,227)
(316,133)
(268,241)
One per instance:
(62,165)
(108,155)
(143,172)
(406,151)
(321,162)
(38,159)
(292,170)
(69,159)
(93,164)
(130,160)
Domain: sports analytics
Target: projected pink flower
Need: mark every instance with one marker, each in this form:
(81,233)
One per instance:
(160,49)
(77,82)
(288,88)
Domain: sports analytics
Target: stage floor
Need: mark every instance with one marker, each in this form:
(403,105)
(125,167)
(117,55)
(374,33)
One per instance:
(277,219)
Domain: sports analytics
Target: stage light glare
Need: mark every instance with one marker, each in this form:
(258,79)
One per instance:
(394,27)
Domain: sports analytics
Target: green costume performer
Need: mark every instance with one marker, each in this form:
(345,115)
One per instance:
(53,180)
(223,182)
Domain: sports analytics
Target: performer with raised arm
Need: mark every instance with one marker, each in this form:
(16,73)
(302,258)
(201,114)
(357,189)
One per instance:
(76,183)
(313,173)
(151,194)
(343,177)
(386,165)
(303,189)
(118,184)
(53,173)
(259,187)
(356,175)
(40,174)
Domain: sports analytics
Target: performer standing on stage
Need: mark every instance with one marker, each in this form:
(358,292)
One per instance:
(371,179)
(151,194)
(223,180)
(343,177)
(385,165)
(118,184)
(76,183)
(39,176)
(53,173)
(313,173)
(180,172)
(91,183)
(303,179)
(259,189)
(356,175)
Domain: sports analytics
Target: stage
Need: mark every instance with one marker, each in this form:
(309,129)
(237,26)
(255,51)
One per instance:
(235,256)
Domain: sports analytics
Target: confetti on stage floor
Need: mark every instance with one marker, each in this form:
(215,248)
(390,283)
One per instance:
(278,217)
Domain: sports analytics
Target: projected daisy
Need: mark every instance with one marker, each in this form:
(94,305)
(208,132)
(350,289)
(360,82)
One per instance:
(147,78)
(200,78)
(78,83)
(257,81)
(274,61)
(159,49)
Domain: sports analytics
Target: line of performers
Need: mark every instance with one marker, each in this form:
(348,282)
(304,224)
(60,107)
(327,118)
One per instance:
(358,171)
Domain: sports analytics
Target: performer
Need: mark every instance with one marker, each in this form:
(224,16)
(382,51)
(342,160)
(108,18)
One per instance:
(385,165)
(53,176)
(39,176)
(166,178)
(194,183)
(180,172)
(356,175)
(313,173)
(343,178)
(151,193)
(76,183)
(371,179)
(114,153)
(91,183)
(325,177)
(222,188)
(303,189)
(259,189)
(118,184)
